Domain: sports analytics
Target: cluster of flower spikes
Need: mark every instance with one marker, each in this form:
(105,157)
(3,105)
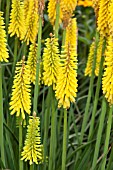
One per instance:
(3,49)
(20,97)
(31,20)
(66,10)
(51,61)
(84,3)
(88,69)
(107,80)
(66,87)
(33,150)
(17,22)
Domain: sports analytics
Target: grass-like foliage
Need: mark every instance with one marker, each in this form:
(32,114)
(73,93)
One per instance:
(56,84)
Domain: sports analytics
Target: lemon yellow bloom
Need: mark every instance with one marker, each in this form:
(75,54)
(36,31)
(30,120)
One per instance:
(33,150)
(31,21)
(67,8)
(32,61)
(20,98)
(71,34)
(88,69)
(3,49)
(110,20)
(17,22)
(107,80)
(84,3)
(96,5)
(52,11)
(66,87)
(51,61)
(26,8)
(103,18)
(99,55)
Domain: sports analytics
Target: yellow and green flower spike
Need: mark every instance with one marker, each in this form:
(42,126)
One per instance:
(51,61)
(21,98)
(3,49)
(107,80)
(31,21)
(32,61)
(103,18)
(33,149)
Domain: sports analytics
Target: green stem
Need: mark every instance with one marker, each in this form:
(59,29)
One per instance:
(90,91)
(96,96)
(57,19)
(110,159)
(36,90)
(53,134)
(64,141)
(1,119)
(20,146)
(108,130)
(99,134)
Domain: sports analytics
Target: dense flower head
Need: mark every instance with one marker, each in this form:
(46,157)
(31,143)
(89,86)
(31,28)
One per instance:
(71,34)
(84,3)
(88,69)
(52,11)
(17,22)
(66,87)
(89,65)
(107,80)
(103,18)
(96,5)
(99,55)
(51,61)
(32,61)
(20,97)
(67,7)
(110,20)
(3,50)
(31,21)
(33,149)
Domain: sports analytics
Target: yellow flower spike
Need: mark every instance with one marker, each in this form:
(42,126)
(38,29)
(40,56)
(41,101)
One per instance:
(31,22)
(103,18)
(99,55)
(3,50)
(107,80)
(20,97)
(71,34)
(110,20)
(88,69)
(33,149)
(17,23)
(66,87)
(67,7)
(84,3)
(52,11)
(26,8)
(96,6)
(51,61)
(32,61)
